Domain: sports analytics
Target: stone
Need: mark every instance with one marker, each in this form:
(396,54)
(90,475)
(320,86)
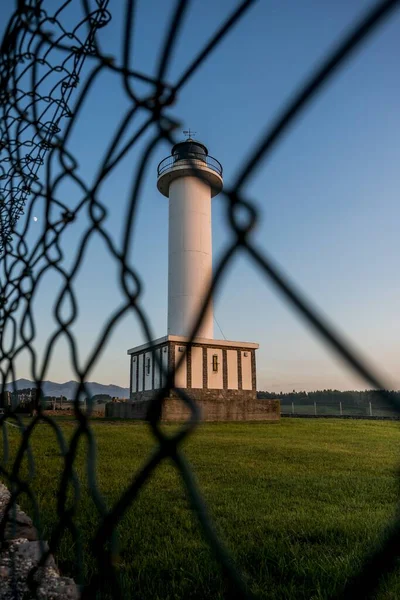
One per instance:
(215,405)
(19,526)
(58,587)
(33,551)
(20,553)
(5,571)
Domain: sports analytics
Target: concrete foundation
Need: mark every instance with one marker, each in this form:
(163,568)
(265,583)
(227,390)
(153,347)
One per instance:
(215,408)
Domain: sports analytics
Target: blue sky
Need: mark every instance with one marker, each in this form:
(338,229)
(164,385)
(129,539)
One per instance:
(327,195)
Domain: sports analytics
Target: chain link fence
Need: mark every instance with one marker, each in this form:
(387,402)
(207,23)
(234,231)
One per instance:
(50,61)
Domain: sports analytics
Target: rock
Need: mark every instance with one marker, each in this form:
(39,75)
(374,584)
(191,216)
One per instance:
(33,551)
(5,571)
(20,552)
(60,587)
(19,527)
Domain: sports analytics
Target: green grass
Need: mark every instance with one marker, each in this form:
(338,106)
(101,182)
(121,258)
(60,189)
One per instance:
(298,503)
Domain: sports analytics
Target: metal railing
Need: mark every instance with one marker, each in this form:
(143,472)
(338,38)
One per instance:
(338,409)
(193,160)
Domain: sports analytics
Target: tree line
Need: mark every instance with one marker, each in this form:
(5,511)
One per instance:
(351,397)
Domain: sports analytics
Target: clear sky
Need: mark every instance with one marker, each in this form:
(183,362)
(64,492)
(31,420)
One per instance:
(328,196)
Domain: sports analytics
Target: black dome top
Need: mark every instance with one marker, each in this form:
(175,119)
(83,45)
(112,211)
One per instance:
(187,148)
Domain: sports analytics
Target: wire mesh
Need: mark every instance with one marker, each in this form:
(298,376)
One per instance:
(42,57)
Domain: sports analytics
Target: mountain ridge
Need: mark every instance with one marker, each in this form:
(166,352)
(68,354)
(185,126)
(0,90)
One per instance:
(68,389)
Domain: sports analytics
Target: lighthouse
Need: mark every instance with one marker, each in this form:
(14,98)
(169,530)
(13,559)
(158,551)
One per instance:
(219,375)
(189,178)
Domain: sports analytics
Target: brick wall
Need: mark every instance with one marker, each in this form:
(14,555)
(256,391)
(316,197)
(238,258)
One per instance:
(144,396)
(240,407)
(236,409)
(127,410)
(217,395)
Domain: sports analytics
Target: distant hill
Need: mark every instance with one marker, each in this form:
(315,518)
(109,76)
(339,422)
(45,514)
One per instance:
(68,389)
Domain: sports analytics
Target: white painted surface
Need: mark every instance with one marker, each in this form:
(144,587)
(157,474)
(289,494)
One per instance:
(215,380)
(156,367)
(246,370)
(232,368)
(134,373)
(148,372)
(189,256)
(197,367)
(181,372)
(140,367)
(164,365)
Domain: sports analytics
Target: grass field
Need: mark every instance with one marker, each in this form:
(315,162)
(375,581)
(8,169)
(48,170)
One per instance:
(298,503)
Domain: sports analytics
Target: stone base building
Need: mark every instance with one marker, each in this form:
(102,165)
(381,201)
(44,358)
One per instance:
(220,375)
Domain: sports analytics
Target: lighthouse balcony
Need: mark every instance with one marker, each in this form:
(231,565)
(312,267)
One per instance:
(192,159)
(192,164)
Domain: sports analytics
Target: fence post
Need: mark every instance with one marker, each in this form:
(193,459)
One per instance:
(315,408)
(370,409)
(292,408)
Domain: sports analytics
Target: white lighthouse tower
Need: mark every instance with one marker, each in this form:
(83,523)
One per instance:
(220,375)
(189,178)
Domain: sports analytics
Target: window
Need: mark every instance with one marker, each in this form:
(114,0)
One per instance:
(148,366)
(215,363)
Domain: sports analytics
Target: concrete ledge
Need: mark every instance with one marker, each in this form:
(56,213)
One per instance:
(201,394)
(197,341)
